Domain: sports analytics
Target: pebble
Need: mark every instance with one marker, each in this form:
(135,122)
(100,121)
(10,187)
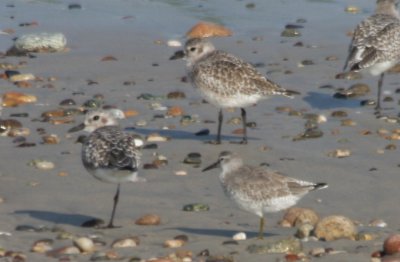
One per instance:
(148,220)
(175,111)
(207,29)
(377,223)
(296,216)
(51,139)
(339,113)
(13,99)
(391,245)
(174,243)
(348,122)
(41,164)
(335,227)
(176,95)
(67,250)
(196,207)
(180,173)
(366,236)
(84,244)
(239,236)
(22,77)
(352,9)
(193,159)
(304,231)
(126,242)
(41,42)
(42,245)
(309,133)
(339,153)
(317,252)
(287,245)
(349,75)
(290,32)
(367,102)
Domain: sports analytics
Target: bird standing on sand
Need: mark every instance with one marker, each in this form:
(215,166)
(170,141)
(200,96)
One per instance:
(225,80)
(375,46)
(259,190)
(109,153)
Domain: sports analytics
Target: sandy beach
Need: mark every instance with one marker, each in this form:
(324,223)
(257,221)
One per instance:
(363,186)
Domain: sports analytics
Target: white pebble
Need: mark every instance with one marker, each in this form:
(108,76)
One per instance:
(181,173)
(239,236)
(51,42)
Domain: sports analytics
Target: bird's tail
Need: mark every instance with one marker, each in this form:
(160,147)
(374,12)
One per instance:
(287,93)
(320,186)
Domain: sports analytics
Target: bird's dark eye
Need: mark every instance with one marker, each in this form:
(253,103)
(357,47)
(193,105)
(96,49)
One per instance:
(95,118)
(192,49)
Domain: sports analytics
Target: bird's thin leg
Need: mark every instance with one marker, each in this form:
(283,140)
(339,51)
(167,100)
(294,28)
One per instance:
(220,119)
(244,122)
(378,102)
(261,230)
(116,198)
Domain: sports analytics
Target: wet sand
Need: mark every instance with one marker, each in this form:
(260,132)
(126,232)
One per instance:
(128,31)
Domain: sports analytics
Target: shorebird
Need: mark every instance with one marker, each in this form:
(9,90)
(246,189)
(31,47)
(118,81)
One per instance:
(375,46)
(108,153)
(259,190)
(225,80)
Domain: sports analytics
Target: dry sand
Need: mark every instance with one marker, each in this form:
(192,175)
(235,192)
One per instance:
(128,30)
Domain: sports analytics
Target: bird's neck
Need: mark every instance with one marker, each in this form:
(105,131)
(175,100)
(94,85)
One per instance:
(386,8)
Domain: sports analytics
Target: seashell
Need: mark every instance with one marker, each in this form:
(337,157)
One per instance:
(174,243)
(296,216)
(42,246)
(148,220)
(335,227)
(22,77)
(154,137)
(22,131)
(84,244)
(174,43)
(207,29)
(51,139)
(239,236)
(41,42)
(126,242)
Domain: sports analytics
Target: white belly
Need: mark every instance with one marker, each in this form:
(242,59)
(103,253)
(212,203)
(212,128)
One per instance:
(380,68)
(236,100)
(115,176)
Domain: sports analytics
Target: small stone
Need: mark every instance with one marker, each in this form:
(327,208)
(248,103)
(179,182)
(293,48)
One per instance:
(74,6)
(287,245)
(173,243)
(84,244)
(19,132)
(348,122)
(352,9)
(335,227)
(22,77)
(239,236)
(365,236)
(42,164)
(108,58)
(197,207)
(176,95)
(339,153)
(174,43)
(309,133)
(290,32)
(367,102)
(339,113)
(377,223)
(175,111)
(59,252)
(51,139)
(40,42)
(42,246)
(68,102)
(148,220)
(391,244)
(126,242)
(317,252)
(181,173)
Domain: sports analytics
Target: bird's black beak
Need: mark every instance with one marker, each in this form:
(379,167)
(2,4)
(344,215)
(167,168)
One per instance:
(212,166)
(77,128)
(177,55)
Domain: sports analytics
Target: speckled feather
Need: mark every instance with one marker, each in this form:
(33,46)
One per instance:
(376,39)
(109,147)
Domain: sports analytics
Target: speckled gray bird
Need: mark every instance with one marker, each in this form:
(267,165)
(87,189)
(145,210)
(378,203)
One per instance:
(108,153)
(375,47)
(225,80)
(259,190)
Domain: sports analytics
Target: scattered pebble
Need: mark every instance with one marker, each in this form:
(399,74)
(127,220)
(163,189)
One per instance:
(84,244)
(339,153)
(239,236)
(42,245)
(148,220)
(207,29)
(173,243)
(197,207)
(296,216)
(40,42)
(126,242)
(335,227)
(41,164)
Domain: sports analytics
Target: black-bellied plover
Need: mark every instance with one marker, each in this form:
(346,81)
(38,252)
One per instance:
(109,153)
(375,46)
(259,190)
(225,80)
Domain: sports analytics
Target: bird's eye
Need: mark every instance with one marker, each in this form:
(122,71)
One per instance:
(192,49)
(95,118)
